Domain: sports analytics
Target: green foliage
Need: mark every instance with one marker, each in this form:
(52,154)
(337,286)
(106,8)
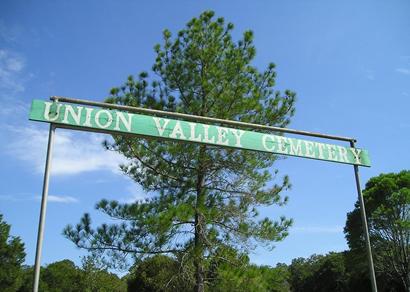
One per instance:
(58,276)
(11,258)
(62,276)
(228,271)
(357,268)
(66,276)
(27,282)
(249,277)
(387,198)
(319,273)
(159,273)
(95,277)
(207,196)
(231,271)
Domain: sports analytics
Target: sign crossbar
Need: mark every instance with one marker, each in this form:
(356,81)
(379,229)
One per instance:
(199,118)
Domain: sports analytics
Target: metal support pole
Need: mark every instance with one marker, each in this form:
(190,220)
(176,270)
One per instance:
(365,228)
(44,196)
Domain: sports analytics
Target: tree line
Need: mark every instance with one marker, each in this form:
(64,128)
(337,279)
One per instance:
(388,197)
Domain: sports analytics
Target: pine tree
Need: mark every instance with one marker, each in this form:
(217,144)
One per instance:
(11,258)
(206,196)
(387,199)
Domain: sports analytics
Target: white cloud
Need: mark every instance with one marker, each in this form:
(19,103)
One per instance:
(318,229)
(135,193)
(403,71)
(11,67)
(61,199)
(14,108)
(25,197)
(9,34)
(73,153)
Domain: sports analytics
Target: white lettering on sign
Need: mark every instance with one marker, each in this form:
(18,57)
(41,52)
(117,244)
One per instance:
(206,135)
(160,128)
(177,131)
(356,154)
(47,110)
(105,120)
(101,120)
(76,116)
(265,142)
(121,117)
(88,112)
(295,149)
(222,139)
(238,134)
(282,143)
(320,147)
(192,136)
(342,154)
(199,132)
(310,151)
(331,149)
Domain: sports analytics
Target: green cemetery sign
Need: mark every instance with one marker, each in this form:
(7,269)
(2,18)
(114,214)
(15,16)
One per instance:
(114,121)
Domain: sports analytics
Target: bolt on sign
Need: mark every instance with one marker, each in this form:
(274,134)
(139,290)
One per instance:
(115,121)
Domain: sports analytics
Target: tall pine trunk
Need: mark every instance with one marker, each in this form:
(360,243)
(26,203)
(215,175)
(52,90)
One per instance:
(199,268)
(199,224)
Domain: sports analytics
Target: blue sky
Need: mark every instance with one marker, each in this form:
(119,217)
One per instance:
(348,61)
